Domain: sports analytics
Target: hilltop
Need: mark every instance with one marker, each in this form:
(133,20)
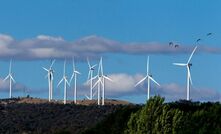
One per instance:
(33,115)
(30,100)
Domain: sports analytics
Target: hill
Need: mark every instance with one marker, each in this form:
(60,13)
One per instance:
(37,116)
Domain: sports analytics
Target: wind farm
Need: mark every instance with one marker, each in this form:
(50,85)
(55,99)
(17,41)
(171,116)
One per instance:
(110,67)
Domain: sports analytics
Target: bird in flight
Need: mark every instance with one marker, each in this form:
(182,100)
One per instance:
(208,34)
(198,40)
(170,43)
(176,46)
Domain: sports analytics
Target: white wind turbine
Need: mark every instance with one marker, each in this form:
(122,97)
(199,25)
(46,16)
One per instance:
(64,78)
(101,81)
(148,77)
(50,76)
(189,79)
(11,79)
(89,78)
(74,75)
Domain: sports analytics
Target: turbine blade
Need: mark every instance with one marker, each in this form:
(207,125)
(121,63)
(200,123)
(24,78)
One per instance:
(102,66)
(77,72)
(52,63)
(192,54)
(6,78)
(99,68)
(45,69)
(64,67)
(67,82)
(95,84)
(94,77)
(108,78)
(73,64)
(148,65)
(179,64)
(72,76)
(154,80)
(141,81)
(89,65)
(102,83)
(94,66)
(87,97)
(188,71)
(60,82)
(12,79)
(10,66)
(89,73)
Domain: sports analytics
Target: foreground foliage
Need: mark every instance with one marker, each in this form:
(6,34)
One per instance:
(183,117)
(158,117)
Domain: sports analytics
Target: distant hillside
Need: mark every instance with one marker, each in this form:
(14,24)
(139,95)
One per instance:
(37,116)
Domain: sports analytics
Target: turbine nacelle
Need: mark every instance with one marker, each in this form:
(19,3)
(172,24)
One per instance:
(92,69)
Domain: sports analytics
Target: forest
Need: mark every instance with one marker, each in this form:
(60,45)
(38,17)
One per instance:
(159,117)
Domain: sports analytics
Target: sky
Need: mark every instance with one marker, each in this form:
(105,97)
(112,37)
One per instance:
(124,33)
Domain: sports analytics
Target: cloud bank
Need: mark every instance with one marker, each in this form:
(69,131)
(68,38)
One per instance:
(123,85)
(47,47)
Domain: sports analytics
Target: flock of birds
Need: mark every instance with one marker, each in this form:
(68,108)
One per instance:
(100,78)
(175,45)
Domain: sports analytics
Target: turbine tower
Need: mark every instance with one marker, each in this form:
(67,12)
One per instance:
(64,78)
(148,77)
(11,79)
(189,79)
(101,81)
(50,76)
(90,76)
(104,77)
(74,75)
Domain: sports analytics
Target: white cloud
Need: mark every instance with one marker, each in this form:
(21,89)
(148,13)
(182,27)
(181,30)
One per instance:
(123,85)
(49,38)
(44,47)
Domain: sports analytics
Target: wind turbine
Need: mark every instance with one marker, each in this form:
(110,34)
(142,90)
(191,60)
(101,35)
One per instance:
(90,76)
(101,81)
(189,79)
(148,77)
(50,76)
(74,75)
(98,83)
(11,79)
(104,77)
(64,78)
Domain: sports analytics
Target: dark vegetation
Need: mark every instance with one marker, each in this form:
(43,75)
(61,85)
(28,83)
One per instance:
(49,118)
(115,123)
(155,117)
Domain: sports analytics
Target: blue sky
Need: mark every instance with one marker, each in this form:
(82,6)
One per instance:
(114,28)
